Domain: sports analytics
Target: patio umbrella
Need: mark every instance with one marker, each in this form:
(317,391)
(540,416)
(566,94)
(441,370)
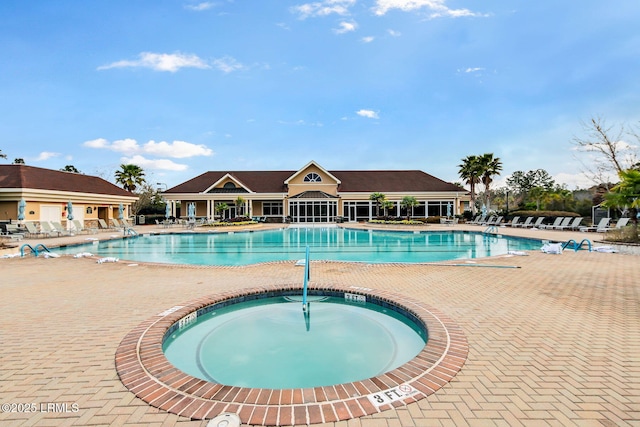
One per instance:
(192,210)
(121,211)
(69,210)
(448,209)
(167,211)
(484,210)
(21,207)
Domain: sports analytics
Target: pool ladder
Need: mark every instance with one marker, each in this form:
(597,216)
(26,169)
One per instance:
(577,246)
(34,250)
(130,231)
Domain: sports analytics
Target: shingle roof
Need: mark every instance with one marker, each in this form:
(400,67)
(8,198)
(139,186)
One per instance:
(31,177)
(389,181)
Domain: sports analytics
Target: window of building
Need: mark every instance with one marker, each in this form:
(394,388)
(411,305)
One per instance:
(229,185)
(272,208)
(312,177)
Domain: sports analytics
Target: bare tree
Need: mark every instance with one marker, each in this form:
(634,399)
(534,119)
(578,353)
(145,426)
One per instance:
(610,153)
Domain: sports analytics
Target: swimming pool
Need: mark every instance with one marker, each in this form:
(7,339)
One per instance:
(288,244)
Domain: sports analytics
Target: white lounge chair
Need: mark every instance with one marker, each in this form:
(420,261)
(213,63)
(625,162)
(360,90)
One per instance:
(514,221)
(565,222)
(556,223)
(60,229)
(525,224)
(602,226)
(536,224)
(574,225)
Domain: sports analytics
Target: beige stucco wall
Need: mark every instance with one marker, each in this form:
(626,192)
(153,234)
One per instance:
(328,184)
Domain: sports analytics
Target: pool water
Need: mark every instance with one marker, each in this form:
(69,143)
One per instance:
(288,244)
(272,343)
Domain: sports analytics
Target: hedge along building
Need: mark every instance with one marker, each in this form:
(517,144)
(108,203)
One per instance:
(46,194)
(313,194)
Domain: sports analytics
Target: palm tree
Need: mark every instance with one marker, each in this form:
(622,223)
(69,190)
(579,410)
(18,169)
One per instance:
(408,202)
(386,205)
(489,167)
(469,170)
(130,176)
(220,208)
(2,156)
(239,205)
(378,198)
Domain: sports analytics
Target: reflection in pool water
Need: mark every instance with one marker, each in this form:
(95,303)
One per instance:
(288,244)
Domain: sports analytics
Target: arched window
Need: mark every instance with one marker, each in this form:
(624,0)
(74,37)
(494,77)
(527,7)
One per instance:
(312,177)
(229,185)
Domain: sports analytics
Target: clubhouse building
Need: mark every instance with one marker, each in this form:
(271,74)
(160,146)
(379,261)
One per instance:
(39,194)
(313,194)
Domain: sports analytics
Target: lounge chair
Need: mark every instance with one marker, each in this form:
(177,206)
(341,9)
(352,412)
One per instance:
(565,222)
(536,224)
(116,223)
(488,221)
(574,225)
(602,226)
(79,228)
(480,219)
(497,221)
(525,224)
(13,232)
(125,223)
(46,228)
(32,230)
(103,224)
(60,229)
(513,223)
(622,222)
(556,223)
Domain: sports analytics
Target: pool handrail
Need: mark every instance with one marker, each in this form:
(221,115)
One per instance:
(34,250)
(306,280)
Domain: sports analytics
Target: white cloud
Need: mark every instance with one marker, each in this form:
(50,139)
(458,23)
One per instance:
(177,149)
(227,64)
(160,62)
(46,155)
(370,114)
(394,33)
(473,70)
(162,164)
(573,181)
(367,39)
(323,8)
(130,147)
(438,8)
(200,6)
(346,27)
(96,143)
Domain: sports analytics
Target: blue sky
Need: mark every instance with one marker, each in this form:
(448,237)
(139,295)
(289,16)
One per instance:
(181,87)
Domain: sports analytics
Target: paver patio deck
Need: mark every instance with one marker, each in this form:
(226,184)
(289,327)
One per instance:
(554,342)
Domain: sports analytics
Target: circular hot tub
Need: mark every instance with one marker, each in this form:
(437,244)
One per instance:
(241,334)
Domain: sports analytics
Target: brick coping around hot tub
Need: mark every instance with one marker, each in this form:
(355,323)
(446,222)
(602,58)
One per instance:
(146,372)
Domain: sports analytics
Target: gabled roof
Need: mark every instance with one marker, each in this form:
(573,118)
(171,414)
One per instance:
(384,181)
(242,188)
(255,181)
(304,170)
(30,177)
